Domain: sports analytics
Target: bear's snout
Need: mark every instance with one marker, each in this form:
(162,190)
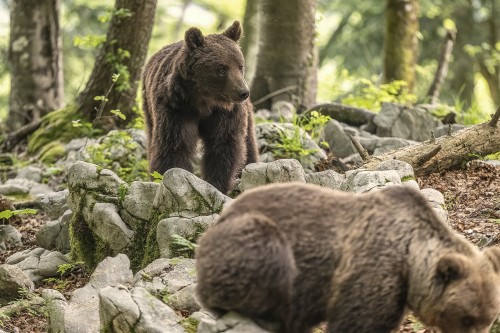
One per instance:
(244,94)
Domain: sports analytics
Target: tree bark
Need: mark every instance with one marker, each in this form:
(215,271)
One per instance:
(35,56)
(250,42)
(124,53)
(287,56)
(400,41)
(447,151)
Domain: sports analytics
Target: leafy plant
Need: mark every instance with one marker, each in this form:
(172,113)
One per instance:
(183,245)
(366,94)
(7,214)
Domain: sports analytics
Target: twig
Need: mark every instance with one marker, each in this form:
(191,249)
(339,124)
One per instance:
(494,119)
(274,93)
(362,151)
(427,156)
(12,139)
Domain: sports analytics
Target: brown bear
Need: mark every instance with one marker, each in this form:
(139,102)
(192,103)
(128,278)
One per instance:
(299,254)
(195,88)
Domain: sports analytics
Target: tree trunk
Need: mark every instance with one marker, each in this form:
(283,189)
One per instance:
(123,53)
(442,70)
(35,56)
(447,151)
(287,57)
(400,49)
(250,42)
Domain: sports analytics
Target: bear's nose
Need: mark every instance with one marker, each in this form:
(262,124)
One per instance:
(244,94)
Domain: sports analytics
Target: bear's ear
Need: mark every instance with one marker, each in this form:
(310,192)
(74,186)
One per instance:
(451,267)
(493,255)
(234,31)
(194,38)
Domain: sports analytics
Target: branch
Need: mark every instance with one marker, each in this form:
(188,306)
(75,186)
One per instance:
(12,139)
(361,150)
(324,51)
(428,156)
(274,93)
(494,119)
(442,69)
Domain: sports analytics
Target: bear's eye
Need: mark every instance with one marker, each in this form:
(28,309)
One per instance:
(222,71)
(468,321)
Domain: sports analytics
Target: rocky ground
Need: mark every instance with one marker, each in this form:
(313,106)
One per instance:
(472,197)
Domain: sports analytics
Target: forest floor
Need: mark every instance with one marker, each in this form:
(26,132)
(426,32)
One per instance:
(472,198)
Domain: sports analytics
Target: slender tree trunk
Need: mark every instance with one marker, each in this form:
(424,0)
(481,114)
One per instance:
(35,56)
(442,70)
(400,49)
(123,53)
(287,59)
(250,42)
(491,72)
(324,52)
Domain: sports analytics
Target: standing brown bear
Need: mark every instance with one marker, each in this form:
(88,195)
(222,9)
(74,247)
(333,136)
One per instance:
(300,254)
(196,88)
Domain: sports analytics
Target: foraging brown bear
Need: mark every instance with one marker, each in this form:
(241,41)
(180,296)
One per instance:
(300,254)
(195,88)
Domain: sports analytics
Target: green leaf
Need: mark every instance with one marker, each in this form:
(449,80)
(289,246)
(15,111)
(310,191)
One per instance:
(119,114)
(157,176)
(6,214)
(76,123)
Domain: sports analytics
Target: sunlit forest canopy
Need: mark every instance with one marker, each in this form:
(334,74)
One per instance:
(349,36)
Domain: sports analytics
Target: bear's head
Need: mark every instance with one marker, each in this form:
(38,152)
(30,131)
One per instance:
(215,65)
(466,293)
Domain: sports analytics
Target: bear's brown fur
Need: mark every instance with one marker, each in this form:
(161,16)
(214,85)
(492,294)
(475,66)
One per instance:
(195,88)
(300,254)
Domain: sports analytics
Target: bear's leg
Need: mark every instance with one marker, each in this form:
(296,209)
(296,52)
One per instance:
(173,143)
(224,148)
(244,263)
(251,141)
(367,301)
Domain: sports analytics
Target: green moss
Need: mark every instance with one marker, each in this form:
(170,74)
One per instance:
(58,126)
(407,178)
(85,245)
(190,325)
(144,249)
(52,152)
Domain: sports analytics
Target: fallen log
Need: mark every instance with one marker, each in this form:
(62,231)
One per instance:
(442,153)
(346,114)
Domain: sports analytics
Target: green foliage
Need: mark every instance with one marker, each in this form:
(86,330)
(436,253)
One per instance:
(190,325)
(471,115)
(7,214)
(183,246)
(121,154)
(120,13)
(89,41)
(290,143)
(158,177)
(122,76)
(366,94)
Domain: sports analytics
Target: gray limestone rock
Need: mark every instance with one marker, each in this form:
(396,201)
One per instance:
(183,194)
(403,122)
(55,203)
(110,228)
(327,178)
(12,281)
(229,323)
(135,311)
(404,170)
(359,181)
(30,172)
(56,306)
(55,234)
(10,235)
(280,171)
(338,140)
(84,303)
(38,263)
(188,228)
(138,202)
